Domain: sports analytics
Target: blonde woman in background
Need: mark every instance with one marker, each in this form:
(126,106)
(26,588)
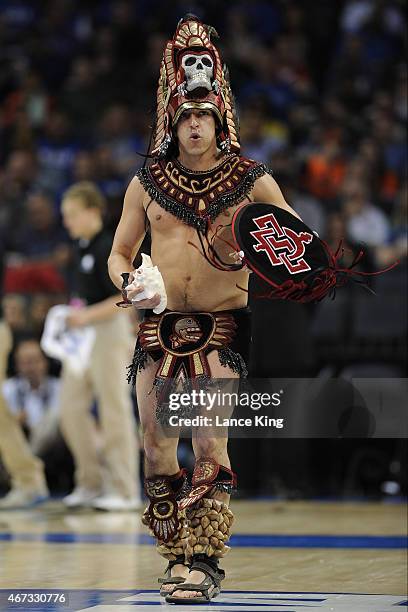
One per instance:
(107,479)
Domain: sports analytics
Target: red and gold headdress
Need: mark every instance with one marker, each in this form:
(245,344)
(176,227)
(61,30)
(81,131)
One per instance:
(192,76)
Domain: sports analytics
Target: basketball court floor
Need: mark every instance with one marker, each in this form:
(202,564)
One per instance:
(286,557)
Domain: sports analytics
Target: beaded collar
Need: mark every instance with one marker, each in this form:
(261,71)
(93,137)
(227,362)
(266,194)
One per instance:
(196,196)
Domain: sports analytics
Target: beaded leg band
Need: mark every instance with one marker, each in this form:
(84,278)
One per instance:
(209,529)
(164,519)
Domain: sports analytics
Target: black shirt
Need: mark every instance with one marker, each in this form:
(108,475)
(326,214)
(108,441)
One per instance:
(92,279)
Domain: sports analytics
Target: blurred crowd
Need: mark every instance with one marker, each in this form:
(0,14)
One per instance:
(321,93)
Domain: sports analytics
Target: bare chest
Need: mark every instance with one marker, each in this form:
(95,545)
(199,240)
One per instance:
(163,223)
(192,283)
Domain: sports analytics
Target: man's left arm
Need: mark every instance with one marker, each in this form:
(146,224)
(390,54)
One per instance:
(266,189)
(95,313)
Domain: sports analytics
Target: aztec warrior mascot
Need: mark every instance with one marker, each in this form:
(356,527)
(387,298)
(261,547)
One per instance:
(196,324)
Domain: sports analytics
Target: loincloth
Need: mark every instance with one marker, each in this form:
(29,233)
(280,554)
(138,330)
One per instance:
(181,341)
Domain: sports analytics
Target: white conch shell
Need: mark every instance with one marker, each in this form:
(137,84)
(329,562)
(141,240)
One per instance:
(149,276)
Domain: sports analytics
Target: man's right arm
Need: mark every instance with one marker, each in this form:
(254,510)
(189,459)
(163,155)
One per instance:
(129,233)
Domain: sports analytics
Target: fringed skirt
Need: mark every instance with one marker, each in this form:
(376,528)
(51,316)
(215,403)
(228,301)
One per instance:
(181,341)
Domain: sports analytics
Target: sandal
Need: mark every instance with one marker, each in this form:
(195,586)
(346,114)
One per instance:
(169,579)
(212,580)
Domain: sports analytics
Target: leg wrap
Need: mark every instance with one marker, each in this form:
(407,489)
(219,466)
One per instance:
(163,518)
(209,520)
(208,477)
(210,526)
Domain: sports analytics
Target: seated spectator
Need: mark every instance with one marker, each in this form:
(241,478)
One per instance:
(84,168)
(16,179)
(30,96)
(261,140)
(15,319)
(366,223)
(325,170)
(336,232)
(28,405)
(56,150)
(32,396)
(15,315)
(40,304)
(80,96)
(41,250)
(396,247)
(110,182)
(40,236)
(308,207)
(270,83)
(118,135)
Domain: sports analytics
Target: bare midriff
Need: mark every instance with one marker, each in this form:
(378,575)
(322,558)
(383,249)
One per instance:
(192,284)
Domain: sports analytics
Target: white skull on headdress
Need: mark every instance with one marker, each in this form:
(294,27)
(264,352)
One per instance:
(199,71)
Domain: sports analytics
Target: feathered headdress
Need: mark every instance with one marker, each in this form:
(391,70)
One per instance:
(192,76)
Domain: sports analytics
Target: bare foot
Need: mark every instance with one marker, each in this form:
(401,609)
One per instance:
(178,570)
(194,577)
